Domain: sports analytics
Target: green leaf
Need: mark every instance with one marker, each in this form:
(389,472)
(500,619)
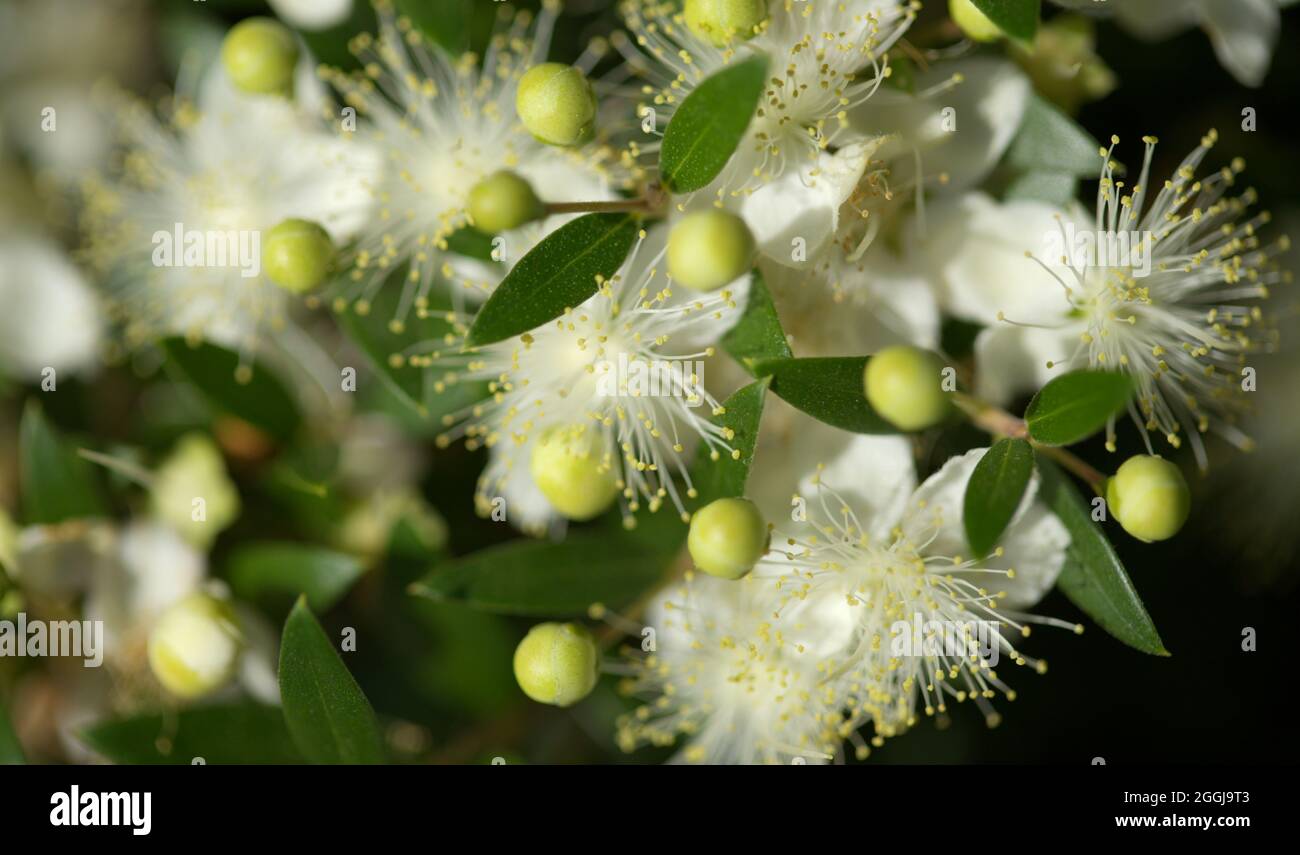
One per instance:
(11,753)
(758,334)
(828,389)
(236,734)
(56,483)
(1093,577)
(329,718)
(377,337)
(726,476)
(706,128)
(544,578)
(274,575)
(1016,18)
(1054,188)
(445,22)
(994,492)
(559,273)
(1074,406)
(1050,141)
(263,401)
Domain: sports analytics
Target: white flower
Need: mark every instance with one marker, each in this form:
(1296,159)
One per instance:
(1175,308)
(827,57)
(442,125)
(570,372)
(52,318)
(857,566)
(229,163)
(740,688)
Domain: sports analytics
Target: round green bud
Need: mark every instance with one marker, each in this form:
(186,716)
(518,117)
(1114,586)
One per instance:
(556,104)
(974,23)
(503,201)
(1149,497)
(557,663)
(570,469)
(708,249)
(195,646)
(724,21)
(903,385)
(298,255)
(259,55)
(727,538)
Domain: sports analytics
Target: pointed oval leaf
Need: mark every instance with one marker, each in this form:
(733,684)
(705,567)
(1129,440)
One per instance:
(559,273)
(758,334)
(1093,577)
(274,575)
(1074,406)
(994,492)
(1016,18)
(57,484)
(328,716)
(726,476)
(1050,141)
(828,389)
(706,128)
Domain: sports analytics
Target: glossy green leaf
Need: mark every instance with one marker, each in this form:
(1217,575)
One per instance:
(559,273)
(545,578)
(242,733)
(828,389)
(274,575)
(328,716)
(56,483)
(1093,577)
(1050,141)
(726,476)
(263,401)
(1074,406)
(1016,18)
(994,492)
(758,334)
(11,753)
(706,127)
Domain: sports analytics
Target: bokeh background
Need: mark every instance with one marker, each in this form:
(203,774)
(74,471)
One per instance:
(441,673)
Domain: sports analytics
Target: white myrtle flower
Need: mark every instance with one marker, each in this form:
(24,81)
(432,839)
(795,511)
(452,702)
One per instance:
(827,58)
(1243,32)
(1177,308)
(58,325)
(443,124)
(860,563)
(312,14)
(736,684)
(573,374)
(222,164)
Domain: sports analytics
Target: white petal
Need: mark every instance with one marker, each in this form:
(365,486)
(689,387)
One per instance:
(1244,33)
(312,14)
(1011,361)
(259,664)
(799,205)
(51,316)
(873,474)
(1156,20)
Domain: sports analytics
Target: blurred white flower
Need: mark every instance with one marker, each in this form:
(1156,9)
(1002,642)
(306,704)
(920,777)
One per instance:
(51,318)
(1243,32)
(312,14)
(442,124)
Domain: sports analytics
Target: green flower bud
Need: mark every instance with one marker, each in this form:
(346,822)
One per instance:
(298,255)
(1149,497)
(903,386)
(195,646)
(974,23)
(572,471)
(725,21)
(556,104)
(557,663)
(192,493)
(259,55)
(503,201)
(727,538)
(708,249)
